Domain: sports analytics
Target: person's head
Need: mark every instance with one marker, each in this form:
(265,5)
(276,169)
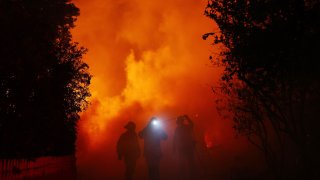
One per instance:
(151,120)
(131,126)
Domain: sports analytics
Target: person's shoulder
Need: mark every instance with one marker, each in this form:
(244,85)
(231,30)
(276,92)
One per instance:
(126,134)
(142,131)
(122,137)
(123,134)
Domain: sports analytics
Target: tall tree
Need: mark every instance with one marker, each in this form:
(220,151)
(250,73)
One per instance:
(271,77)
(43,81)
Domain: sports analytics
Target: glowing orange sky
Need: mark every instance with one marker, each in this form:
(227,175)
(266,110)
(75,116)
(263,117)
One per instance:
(147,58)
(146,52)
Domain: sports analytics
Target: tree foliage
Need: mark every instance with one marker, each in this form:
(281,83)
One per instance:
(271,76)
(43,81)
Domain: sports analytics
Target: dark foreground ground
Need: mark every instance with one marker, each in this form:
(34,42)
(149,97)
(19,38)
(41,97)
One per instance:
(45,168)
(209,165)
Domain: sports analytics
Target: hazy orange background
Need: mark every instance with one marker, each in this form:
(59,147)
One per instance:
(147,58)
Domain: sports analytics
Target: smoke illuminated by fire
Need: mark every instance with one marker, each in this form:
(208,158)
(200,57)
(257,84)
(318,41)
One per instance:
(144,52)
(147,58)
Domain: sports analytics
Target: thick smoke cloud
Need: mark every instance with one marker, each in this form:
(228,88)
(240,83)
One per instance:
(147,59)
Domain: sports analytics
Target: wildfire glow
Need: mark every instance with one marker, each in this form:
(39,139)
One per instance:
(147,59)
(145,52)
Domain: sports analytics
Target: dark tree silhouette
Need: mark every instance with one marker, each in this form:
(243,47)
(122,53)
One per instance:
(43,81)
(271,78)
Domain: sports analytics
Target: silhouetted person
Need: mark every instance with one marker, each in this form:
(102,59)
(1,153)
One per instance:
(128,148)
(152,135)
(184,147)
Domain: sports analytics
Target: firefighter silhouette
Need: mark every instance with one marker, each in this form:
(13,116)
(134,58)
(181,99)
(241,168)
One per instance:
(152,135)
(184,147)
(128,149)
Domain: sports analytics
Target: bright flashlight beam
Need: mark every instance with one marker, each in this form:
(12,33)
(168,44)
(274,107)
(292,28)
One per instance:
(156,123)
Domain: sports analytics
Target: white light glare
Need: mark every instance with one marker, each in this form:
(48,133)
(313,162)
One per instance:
(156,123)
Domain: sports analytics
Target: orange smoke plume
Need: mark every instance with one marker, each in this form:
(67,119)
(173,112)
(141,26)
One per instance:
(147,58)
(145,52)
